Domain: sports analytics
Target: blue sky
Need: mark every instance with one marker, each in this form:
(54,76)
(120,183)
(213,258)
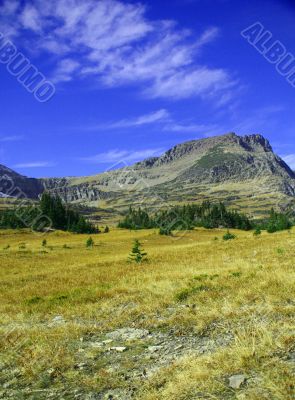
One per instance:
(134,78)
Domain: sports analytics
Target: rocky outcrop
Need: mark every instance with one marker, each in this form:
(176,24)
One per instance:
(18,186)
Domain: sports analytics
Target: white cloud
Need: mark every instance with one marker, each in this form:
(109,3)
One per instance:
(14,138)
(183,84)
(124,156)
(65,70)
(209,35)
(290,160)
(159,116)
(30,18)
(260,119)
(162,119)
(114,42)
(9,25)
(191,128)
(9,7)
(36,164)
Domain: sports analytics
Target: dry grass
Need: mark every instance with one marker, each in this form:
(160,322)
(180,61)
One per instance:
(242,288)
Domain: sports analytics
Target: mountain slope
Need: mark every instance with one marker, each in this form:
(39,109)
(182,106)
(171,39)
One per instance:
(15,185)
(243,171)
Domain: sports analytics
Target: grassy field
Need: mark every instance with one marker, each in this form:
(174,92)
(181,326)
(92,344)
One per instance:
(74,321)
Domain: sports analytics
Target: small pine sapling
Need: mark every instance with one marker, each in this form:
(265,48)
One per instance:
(137,253)
(257,232)
(89,243)
(229,236)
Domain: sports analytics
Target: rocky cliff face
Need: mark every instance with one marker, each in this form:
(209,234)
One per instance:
(230,168)
(18,186)
(69,192)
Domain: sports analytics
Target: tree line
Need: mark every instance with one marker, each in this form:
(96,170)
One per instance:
(206,215)
(57,213)
(186,217)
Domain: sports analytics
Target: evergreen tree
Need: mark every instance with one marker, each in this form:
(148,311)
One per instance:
(137,254)
(187,217)
(278,222)
(165,231)
(257,232)
(229,236)
(89,242)
(62,217)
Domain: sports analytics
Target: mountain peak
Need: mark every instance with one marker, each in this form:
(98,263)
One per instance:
(230,141)
(257,140)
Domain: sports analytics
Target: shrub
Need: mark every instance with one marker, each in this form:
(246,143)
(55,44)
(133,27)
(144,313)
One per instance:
(106,229)
(44,243)
(229,236)
(278,222)
(89,242)
(257,232)
(137,254)
(237,274)
(165,231)
(183,295)
(34,300)
(201,277)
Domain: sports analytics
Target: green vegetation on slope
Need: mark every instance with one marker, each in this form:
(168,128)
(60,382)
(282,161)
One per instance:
(49,213)
(216,157)
(187,217)
(206,215)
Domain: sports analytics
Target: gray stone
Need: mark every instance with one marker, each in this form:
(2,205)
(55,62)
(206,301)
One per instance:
(118,349)
(97,345)
(236,381)
(291,357)
(128,334)
(108,341)
(154,349)
(58,320)
(81,365)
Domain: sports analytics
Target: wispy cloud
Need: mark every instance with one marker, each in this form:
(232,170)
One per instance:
(189,83)
(162,119)
(35,164)
(65,70)
(124,156)
(260,120)
(117,44)
(290,160)
(14,138)
(191,128)
(159,116)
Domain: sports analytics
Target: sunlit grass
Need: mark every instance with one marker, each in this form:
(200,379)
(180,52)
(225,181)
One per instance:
(243,288)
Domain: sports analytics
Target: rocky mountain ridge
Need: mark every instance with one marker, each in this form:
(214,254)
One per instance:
(231,168)
(14,185)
